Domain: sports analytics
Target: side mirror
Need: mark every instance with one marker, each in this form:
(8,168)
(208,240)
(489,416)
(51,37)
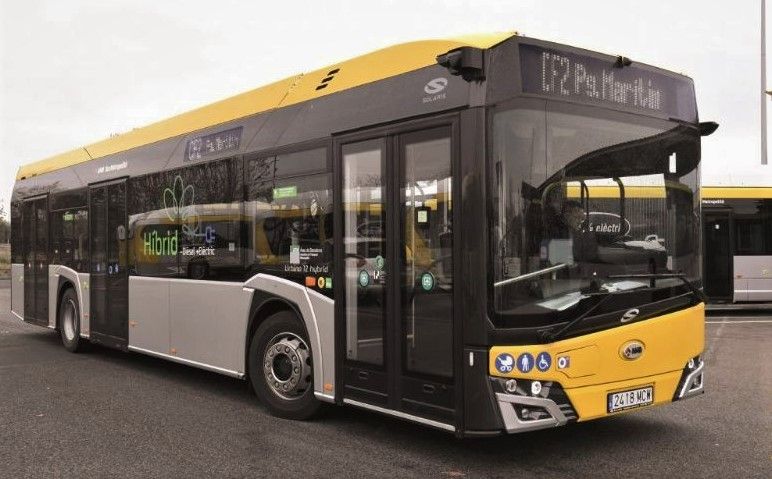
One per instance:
(707,127)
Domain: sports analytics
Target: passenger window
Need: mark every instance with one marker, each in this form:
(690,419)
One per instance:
(290,218)
(188,222)
(68,223)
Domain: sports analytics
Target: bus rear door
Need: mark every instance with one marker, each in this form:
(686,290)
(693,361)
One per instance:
(109,277)
(35,233)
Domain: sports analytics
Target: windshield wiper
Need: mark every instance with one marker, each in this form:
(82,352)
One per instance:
(654,276)
(530,275)
(549,336)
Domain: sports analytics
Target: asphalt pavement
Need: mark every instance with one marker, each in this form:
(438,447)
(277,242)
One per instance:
(109,413)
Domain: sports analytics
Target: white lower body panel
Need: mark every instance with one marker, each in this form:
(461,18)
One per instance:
(752,278)
(202,323)
(17,290)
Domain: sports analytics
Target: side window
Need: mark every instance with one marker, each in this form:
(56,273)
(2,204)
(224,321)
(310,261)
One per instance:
(153,234)
(291,218)
(188,222)
(209,212)
(749,236)
(518,162)
(69,230)
(17,255)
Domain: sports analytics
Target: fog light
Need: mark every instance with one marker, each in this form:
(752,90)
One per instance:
(510,386)
(535,388)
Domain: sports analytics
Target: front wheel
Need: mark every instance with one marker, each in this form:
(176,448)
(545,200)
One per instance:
(281,368)
(69,322)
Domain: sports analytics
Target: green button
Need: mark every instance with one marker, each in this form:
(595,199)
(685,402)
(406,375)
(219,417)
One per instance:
(364,279)
(427,281)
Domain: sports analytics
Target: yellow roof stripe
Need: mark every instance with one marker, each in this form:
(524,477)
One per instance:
(728,192)
(597,191)
(358,71)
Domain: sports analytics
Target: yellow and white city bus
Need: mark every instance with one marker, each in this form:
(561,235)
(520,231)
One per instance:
(486,235)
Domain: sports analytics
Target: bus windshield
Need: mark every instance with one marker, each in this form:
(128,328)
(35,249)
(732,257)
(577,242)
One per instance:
(579,197)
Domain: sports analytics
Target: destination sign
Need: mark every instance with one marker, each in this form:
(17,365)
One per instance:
(593,80)
(213,144)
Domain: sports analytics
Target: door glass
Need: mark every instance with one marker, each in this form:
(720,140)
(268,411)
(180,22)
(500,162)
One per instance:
(28,244)
(365,256)
(41,260)
(427,278)
(98,219)
(116,260)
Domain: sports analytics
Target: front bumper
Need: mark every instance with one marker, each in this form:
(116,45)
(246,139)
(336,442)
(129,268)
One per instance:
(576,376)
(522,410)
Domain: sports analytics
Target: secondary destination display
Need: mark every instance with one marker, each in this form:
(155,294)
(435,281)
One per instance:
(213,144)
(593,80)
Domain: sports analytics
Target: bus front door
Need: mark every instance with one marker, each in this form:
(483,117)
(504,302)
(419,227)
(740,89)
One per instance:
(109,277)
(395,319)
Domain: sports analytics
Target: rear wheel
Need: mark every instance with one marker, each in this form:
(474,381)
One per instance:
(69,322)
(281,368)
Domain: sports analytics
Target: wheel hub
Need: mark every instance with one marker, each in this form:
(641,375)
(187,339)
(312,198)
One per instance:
(287,366)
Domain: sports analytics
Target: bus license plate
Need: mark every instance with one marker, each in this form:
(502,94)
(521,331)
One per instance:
(629,399)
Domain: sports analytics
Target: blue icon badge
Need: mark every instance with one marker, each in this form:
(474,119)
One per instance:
(209,235)
(543,361)
(504,363)
(525,362)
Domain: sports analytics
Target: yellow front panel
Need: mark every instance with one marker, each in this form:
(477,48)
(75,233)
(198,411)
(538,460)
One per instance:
(594,363)
(590,401)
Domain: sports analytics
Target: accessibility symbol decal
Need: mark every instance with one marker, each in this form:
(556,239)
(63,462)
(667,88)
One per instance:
(504,363)
(543,361)
(525,362)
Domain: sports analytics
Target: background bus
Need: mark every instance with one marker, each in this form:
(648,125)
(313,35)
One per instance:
(737,225)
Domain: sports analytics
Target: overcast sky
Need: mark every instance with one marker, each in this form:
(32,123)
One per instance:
(73,72)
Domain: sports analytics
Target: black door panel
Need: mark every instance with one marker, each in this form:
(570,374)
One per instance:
(41,260)
(35,248)
(718,257)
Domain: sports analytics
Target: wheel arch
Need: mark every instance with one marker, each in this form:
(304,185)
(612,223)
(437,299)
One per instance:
(264,305)
(314,311)
(62,278)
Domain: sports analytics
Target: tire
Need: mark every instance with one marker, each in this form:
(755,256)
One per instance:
(281,368)
(69,322)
